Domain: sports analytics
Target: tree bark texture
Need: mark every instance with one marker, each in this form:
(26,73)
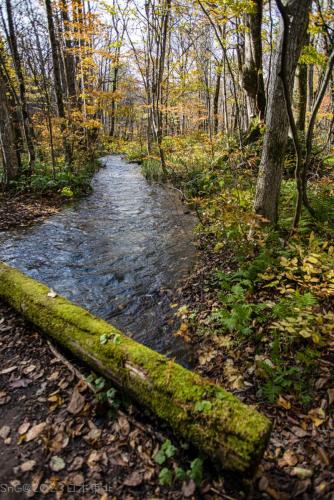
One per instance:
(252,71)
(8,137)
(277,124)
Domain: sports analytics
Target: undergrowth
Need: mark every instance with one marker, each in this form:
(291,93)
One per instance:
(278,297)
(64,181)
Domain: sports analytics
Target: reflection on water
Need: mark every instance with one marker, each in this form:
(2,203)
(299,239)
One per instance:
(120,252)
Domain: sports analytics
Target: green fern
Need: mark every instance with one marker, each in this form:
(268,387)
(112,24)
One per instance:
(292,305)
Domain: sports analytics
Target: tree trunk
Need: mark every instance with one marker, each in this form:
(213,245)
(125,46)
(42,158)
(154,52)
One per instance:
(113,101)
(57,81)
(216,97)
(252,73)
(70,63)
(310,80)
(14,108)
(301,100)
(206,415)
(277,125)
(8,140)
(27,128)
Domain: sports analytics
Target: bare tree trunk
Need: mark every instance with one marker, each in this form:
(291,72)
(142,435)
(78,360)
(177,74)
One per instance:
(116,64)
(301,101)
(57,81)
(160,75)
(14,104)
(216,97)
(277,124)
(27,128)
(8,140)
(69,58)
(310,80)
(252,73)
(113,102)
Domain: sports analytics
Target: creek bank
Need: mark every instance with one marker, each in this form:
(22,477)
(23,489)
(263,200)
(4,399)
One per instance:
(20,211)
(33,199)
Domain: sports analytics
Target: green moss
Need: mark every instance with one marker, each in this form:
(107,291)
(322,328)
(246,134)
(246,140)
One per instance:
(229,430)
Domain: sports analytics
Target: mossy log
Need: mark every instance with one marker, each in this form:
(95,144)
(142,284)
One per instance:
(202,413)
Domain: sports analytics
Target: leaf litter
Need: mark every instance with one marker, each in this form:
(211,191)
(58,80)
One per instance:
(57,441)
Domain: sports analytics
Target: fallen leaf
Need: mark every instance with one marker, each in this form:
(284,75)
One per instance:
(56,400)
(118,460)
(75,479)
(299,432)
(301,487)
(29,369)
(23,428)
(53,376)
(28,466)
(35,431)
(188,489)
(60,441)
(323,456)
(4,432)
(318,416)
(57,463)
(134,479)
(123,425)
(263,483)
(149,473)
(94,457)
(36,479)
(320,383)
(330,393)
(93,436)
(289,458)
(20,382)
(206,357)
(4,398)
(76,464)
(301,473)
(52,294)
(283,403)
(82,386)
(77,402)
(8,370)
(322,488)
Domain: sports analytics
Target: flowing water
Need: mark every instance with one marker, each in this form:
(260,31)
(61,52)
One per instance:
(120,252)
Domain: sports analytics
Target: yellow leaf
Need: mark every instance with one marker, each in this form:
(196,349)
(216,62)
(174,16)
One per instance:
(283,403)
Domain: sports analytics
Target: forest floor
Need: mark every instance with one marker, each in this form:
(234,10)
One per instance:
(299,460)
(56,441)
(22,210)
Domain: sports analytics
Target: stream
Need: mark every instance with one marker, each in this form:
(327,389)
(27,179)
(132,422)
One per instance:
(120,252)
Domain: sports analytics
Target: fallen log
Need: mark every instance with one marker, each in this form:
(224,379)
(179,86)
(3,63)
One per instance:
(202,413)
